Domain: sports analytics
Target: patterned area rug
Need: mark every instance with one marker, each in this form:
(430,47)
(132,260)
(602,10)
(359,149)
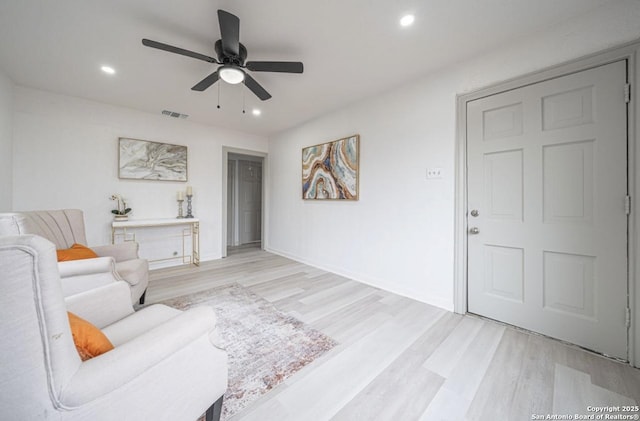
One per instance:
(265,346)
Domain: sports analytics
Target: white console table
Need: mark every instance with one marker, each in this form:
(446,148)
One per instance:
(126,231)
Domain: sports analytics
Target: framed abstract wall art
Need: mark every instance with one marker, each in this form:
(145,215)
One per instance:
(145,160)
(330,171)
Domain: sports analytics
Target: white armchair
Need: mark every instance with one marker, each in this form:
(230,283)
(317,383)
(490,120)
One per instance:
(163,366)
(64,228)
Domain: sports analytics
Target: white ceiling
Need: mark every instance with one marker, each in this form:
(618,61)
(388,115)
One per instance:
(351,49)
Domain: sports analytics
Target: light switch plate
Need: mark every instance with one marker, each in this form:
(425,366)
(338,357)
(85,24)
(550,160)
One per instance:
(434,173)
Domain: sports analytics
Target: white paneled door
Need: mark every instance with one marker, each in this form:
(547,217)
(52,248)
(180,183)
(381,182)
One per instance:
(250,201)
(547,219)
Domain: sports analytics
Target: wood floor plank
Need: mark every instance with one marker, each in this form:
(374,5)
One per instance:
(279,294)
(330,294)
(463,380)
(325,307)
(279,283)
(446,358)
(310,287)
(350,315)
(347,334)
(534,389)
(604,372)
(500,380)
(471,368)
(392,394)
(572,391)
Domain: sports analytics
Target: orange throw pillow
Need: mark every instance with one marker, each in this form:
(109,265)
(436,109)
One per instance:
(89,340)
(76,252)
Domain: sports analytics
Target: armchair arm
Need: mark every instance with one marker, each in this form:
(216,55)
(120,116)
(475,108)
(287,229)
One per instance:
(86,266)
(121,251)
(82,275)
(104,374)
(102,306)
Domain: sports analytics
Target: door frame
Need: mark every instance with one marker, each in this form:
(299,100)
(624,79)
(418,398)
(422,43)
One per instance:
(231,201)
(627,52)
(226,150)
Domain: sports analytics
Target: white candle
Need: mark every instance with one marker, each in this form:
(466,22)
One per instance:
(180,195)
(189,191)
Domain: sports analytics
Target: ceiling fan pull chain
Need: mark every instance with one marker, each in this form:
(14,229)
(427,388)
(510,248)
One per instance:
(219,95)
(243,91)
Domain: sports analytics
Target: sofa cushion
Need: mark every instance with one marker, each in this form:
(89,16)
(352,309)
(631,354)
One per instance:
(89,340)
(76,252)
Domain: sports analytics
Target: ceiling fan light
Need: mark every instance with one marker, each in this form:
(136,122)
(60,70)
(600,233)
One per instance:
(231,74)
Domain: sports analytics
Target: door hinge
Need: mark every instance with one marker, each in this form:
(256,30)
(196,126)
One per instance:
(627,204)
(627,93)
(627,318)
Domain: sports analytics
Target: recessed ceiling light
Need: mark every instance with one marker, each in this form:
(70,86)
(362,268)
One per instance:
(407,20)
(256,111)
(108,70)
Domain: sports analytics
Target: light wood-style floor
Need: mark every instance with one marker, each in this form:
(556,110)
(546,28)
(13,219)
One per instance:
(400,359)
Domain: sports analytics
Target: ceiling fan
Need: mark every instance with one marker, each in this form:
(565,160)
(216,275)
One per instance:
(231,56)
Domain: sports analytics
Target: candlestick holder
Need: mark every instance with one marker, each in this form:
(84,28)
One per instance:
(189,215)
(180,216)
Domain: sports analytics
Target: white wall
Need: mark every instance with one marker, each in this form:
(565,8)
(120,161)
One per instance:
(6,133)
(400,235)
(66,156)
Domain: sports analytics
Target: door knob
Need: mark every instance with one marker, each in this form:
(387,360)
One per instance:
(474,230)
(475,213)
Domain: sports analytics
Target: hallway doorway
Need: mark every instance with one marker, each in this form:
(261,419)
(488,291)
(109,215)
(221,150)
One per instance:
(244,200)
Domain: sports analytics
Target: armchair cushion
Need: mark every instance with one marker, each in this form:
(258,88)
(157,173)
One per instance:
(76,252)
(102,306)
(139,322)
(89,340)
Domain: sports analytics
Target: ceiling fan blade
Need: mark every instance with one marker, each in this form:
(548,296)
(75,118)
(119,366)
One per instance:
(275,66)
(177,50)
(229,32)
(206,82)
(256,88)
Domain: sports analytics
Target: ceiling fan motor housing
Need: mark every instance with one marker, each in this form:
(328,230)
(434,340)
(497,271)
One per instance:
(231,59)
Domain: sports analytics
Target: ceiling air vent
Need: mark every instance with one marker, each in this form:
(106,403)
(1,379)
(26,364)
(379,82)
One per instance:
(174,114)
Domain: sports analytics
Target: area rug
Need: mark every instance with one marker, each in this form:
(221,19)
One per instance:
(265,346)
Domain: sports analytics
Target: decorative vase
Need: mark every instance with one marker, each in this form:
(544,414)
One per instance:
(121,218)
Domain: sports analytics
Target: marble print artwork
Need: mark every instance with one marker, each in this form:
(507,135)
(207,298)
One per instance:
(144,160)
(330,170)
(264,345)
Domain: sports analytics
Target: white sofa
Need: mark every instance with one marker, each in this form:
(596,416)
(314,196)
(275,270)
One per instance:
(163,367)
(64,228)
